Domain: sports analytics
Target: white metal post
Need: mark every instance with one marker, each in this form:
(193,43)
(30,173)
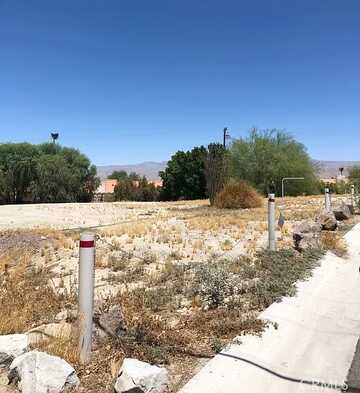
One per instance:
(86,294)
(353,203)
(271,222)
(327,200)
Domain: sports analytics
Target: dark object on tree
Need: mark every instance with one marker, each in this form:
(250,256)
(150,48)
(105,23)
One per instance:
(216,169)
(54,136)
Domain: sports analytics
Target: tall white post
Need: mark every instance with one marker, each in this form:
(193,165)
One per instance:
(271,222)
(353,203)
(86,294)
(327,200)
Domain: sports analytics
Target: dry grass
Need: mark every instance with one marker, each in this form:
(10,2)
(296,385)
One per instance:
(26,300)
(168,316)
(334,242)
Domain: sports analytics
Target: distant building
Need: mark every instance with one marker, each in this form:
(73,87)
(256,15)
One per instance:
(339,178)
(107,186)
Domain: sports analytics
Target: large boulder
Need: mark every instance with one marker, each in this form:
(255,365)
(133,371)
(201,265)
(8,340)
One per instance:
(41,333)
(327,221)
(306,235)
(342,212)
(38,372)
(140,377)
(11,346)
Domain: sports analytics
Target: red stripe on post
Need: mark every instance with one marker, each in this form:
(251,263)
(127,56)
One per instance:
(87,243)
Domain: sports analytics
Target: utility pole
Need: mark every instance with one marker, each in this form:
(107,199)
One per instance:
(226,136)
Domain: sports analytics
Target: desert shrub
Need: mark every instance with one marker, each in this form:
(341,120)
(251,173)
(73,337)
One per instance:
(238,195)
(215,285)
(26,298)
(278,272)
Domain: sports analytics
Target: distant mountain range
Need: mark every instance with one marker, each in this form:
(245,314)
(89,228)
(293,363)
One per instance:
(151,169)
(328,169)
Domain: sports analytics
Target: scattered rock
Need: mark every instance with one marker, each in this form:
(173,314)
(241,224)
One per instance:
(342,212)
(111,321)
(60,330)
(306,235)
(308,227)
(140,377)
(327,221)
(11,346)
(38,372)
(66,315)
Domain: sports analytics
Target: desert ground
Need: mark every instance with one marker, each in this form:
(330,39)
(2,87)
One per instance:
(174,282)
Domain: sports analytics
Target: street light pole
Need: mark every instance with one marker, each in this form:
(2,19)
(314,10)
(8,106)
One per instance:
(283,183)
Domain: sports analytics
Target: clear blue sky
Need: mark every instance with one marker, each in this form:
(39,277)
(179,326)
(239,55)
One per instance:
(129,81)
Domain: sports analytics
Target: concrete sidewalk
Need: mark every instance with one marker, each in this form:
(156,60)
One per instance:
(311,349)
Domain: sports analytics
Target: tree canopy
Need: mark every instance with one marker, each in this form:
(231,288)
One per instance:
(184,176)
(45,173)
(354,176)
(267,156)
(129,189)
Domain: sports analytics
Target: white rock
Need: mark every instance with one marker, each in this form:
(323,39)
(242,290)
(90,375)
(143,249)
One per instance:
(141,377)
(38,372)
(11,346)
(62,330)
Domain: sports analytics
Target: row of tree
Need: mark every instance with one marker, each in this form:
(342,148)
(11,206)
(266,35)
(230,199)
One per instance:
(45,173)
(133,187)
(262,159)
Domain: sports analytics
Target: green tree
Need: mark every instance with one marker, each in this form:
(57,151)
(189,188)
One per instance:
(118,175)
(270,155)
(184,176)
(17,165)
(45,173)
(216,169)
(135,190)
(354,176)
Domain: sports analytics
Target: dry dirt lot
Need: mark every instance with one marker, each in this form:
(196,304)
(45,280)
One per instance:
(182,279)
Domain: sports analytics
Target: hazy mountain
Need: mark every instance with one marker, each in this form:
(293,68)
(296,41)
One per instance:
(331,168)
(151,169)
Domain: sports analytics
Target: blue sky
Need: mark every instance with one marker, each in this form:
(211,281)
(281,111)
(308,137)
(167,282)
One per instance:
(129,81)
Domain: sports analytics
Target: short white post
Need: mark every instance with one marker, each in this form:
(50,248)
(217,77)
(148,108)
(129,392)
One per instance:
(86,294)
(353,203)
(271,222)
(327,200)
